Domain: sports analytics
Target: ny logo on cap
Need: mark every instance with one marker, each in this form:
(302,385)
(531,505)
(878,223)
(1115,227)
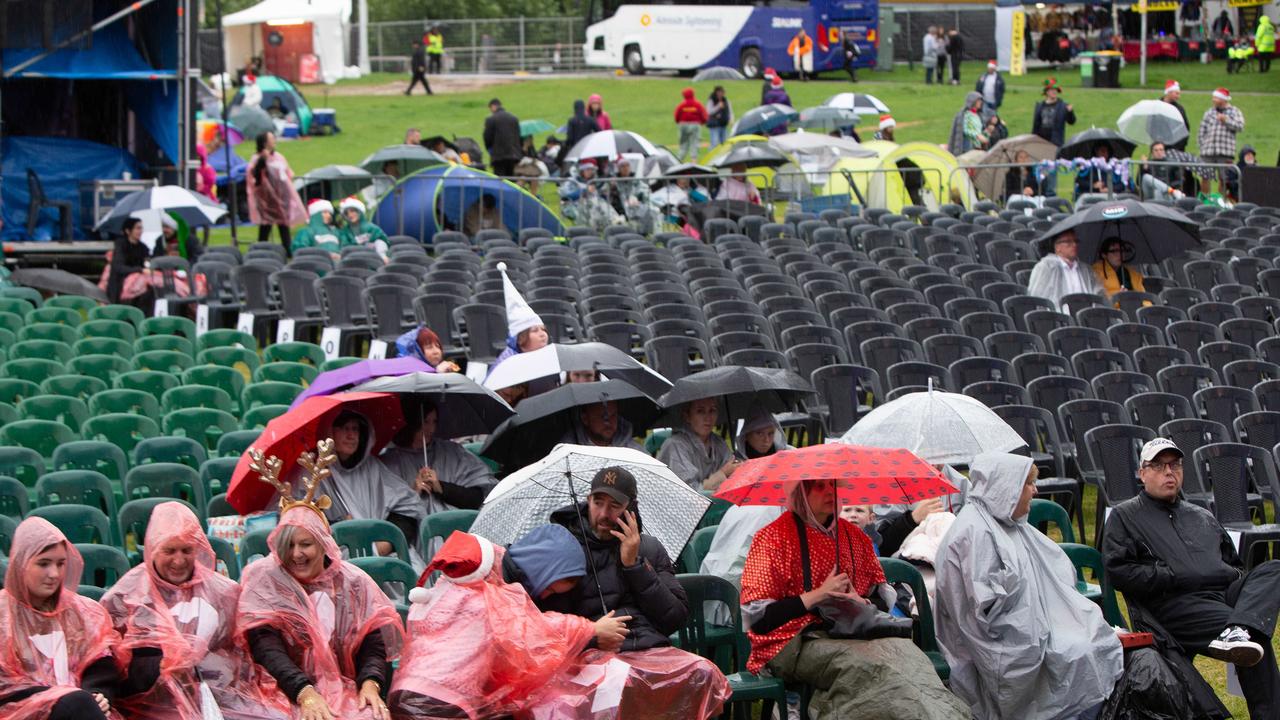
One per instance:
(610,478)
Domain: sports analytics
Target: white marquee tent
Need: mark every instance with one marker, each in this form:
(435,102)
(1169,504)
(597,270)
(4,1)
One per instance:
(330,23)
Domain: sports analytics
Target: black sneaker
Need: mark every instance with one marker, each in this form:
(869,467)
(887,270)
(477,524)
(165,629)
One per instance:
(1235,646)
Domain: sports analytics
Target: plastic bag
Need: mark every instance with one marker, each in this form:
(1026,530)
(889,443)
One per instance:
(1148,690)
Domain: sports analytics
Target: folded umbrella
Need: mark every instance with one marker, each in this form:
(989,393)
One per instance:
(195,209)
(328,383)
(297,431)
(610,144)
(942,428)
(1148,121)
(1154,232)
(739,390)
(556,358)
(57,281)
(1082,144)
(464,406)
(764,118)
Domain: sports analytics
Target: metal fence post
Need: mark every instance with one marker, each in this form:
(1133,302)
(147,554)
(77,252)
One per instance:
(522,65)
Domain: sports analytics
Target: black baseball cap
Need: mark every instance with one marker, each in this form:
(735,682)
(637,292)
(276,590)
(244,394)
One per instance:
(616,482)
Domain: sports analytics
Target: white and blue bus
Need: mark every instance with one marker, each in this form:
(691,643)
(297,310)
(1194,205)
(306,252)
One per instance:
(748,36)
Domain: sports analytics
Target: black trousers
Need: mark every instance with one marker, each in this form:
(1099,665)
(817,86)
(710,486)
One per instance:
(504,168)
(955,67)
(418,77)
(264,235)
(78,705)
(1197,618)
(433,63)
(853,72)
(1264,61)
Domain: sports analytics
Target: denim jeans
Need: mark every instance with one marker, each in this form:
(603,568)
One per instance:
(718,135)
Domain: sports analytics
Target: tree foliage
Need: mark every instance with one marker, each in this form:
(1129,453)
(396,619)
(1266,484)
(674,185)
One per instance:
(380,10)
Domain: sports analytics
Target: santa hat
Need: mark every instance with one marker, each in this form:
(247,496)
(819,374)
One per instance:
(991,65)
(352,202)
(319,205)
(887,121)
(520,316)
(1222,94)
(1171,86)
(462,559)
(775,81)
(587,162)
(770,73)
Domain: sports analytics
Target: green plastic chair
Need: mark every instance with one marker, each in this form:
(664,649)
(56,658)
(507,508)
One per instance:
(128,313)
(195,396)
(11,321)
(82,305)
(114,329)
(715,513)
(299,352)
(55,315)
(653,443)
(358,537)
(135,402)
(104,367)
(43,436)
(103,346)
(134,517)
(693,554)
(97,455)
(23,463)
(31,295)
(171,325)
(269,393)
(103,564)
(225,378)
(1044,512)
(258,417)
(15,390)
(77,487)
(171,343)
(215,475)
(395,577)
(69,411)
(16,306)
(65,334)
(219,507)
(164,449)
(204,425)
(253,546)
(1085,557)
(15,498)
(233,444)
(225,553)
(443,523)
(124,430)
(901,571)
(474,448)
(289,372)
(44,350)
(80,523)
(338,362)
(170,361)
(8,413)
(170,480)
(8,526)
(83,387)
(91,592)
(154,382)
(223,337)
(35,370)
(242,360)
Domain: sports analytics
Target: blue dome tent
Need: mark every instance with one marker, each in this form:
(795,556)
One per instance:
(452,197)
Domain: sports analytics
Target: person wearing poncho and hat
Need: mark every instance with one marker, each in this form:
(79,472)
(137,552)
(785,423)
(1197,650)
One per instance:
(1060,273)
(319,231)
(525,330)
(358,230)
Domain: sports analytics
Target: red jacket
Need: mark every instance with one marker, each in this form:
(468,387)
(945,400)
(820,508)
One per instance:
(691,110)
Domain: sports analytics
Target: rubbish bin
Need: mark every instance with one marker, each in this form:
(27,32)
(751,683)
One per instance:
(1086,68)
(1106,69)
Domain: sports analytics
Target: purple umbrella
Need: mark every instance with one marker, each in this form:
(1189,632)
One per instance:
(328,383)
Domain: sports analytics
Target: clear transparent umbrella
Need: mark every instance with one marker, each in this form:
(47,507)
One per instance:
(1148,121)
(940,427)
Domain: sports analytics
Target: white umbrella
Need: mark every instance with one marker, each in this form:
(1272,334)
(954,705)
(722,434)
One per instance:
(557,358)
(195,209)
(669,509)
(807,143)
(860,103)
(940,427)
(611,144)
(1148,121)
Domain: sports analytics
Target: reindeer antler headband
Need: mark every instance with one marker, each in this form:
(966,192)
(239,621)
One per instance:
(316,465)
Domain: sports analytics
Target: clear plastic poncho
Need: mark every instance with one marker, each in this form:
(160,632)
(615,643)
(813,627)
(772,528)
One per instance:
(323,621)
(194,625)
(47,649)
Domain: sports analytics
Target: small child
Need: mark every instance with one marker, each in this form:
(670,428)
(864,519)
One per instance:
(861,515)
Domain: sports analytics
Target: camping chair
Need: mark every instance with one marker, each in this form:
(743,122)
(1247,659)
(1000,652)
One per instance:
(40,201)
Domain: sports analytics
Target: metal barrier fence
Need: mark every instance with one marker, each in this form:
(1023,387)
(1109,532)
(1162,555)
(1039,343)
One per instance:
(1135,184)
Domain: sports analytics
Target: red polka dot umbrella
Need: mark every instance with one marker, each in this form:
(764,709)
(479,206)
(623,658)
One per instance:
(863,475)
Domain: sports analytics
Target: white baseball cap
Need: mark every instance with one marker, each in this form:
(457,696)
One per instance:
(1157,446)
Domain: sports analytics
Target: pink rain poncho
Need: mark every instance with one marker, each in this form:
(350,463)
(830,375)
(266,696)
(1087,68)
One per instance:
(194,625)
(481,645)
(47,649)
(322,622)
(663,682)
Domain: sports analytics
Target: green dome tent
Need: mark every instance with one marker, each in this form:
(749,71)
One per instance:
(290,99)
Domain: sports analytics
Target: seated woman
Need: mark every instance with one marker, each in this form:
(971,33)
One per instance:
(445,475)
(320,626)
(479,647)
(57,662)
(128,276)
(320,231)
(872,679)
(175,606)
(1111,270)
(424,344)
(694,452)
(525,330)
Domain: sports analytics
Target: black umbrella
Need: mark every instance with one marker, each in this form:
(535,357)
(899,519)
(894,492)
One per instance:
(465,407)
(752,155)
(1083,144)
(1153,232)
(542,420)
(740,390)
(57,281)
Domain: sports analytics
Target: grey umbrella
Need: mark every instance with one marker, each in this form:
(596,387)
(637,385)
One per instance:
(251,121)
(826,118)
(718,72)
(754,155)
(409,158)
(465,408)
(333,181)
(57,281)
(940,427)
(764,118)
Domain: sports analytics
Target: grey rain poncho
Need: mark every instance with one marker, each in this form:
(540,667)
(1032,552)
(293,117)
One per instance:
(363,488)
(1049,281)
(453,464)
(1021,640)
(691,459)
(623,437)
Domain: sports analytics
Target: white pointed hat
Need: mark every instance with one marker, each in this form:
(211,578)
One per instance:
(520,316)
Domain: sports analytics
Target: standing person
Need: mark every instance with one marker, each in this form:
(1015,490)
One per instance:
(887,124)
(418,66)
(502,139)
(578,127)
(955,51)
(1060,273)
(1052,115)
(272,199)
(435,49)
(719,116)
(800,49)
(595,110)
(991,85)
(940,48)
(849,47)
(690,115)
(1222,27)
(1217,138)
(929,53)
(1184,581)
(1265,40)
(966,126)
(1173,93)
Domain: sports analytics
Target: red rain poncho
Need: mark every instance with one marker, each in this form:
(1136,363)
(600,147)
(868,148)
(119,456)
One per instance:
(194,625)
(32,652)
(324,621)
(483,646)
(662,682)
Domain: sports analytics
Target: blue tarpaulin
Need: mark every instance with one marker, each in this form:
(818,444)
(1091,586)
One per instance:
(61,164)
(439,198)
(111,56)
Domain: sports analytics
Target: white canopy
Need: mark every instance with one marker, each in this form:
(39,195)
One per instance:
(329,19)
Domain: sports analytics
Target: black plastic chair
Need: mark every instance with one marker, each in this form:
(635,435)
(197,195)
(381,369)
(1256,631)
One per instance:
(879,353)
(917,373)
(1095,362)
(1033,365)
(342,305)
(1187,380)
(1154,409)
(808,357)
(38,201)
(1233,469)
(1191,334)
(676,357)
(1224,403)
(1008,345)
(1119,385)
(1249,373)
(1067,341)
(980,368)
(1039,430)
(994,393)
(844,393)
(1114,449)
(1190,434)
(1154,358)
(1217,354)
(486,330)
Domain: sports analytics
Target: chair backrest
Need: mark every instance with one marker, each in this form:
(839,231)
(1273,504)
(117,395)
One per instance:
(1234,470)
(846,388)
(1114,449)
(1190,434)
(1154,409)
(673,357)
(1044,512)
(901,571)
(1084,557)
(80,523)
(440,525)
(357,537)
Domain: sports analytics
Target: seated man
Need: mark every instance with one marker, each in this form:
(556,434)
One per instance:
(631,575)
(1060,273)
(1021,640)
(1177,565)
(599,424)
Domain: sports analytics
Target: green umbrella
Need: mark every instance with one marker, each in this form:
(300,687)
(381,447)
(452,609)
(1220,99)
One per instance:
(533,127)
